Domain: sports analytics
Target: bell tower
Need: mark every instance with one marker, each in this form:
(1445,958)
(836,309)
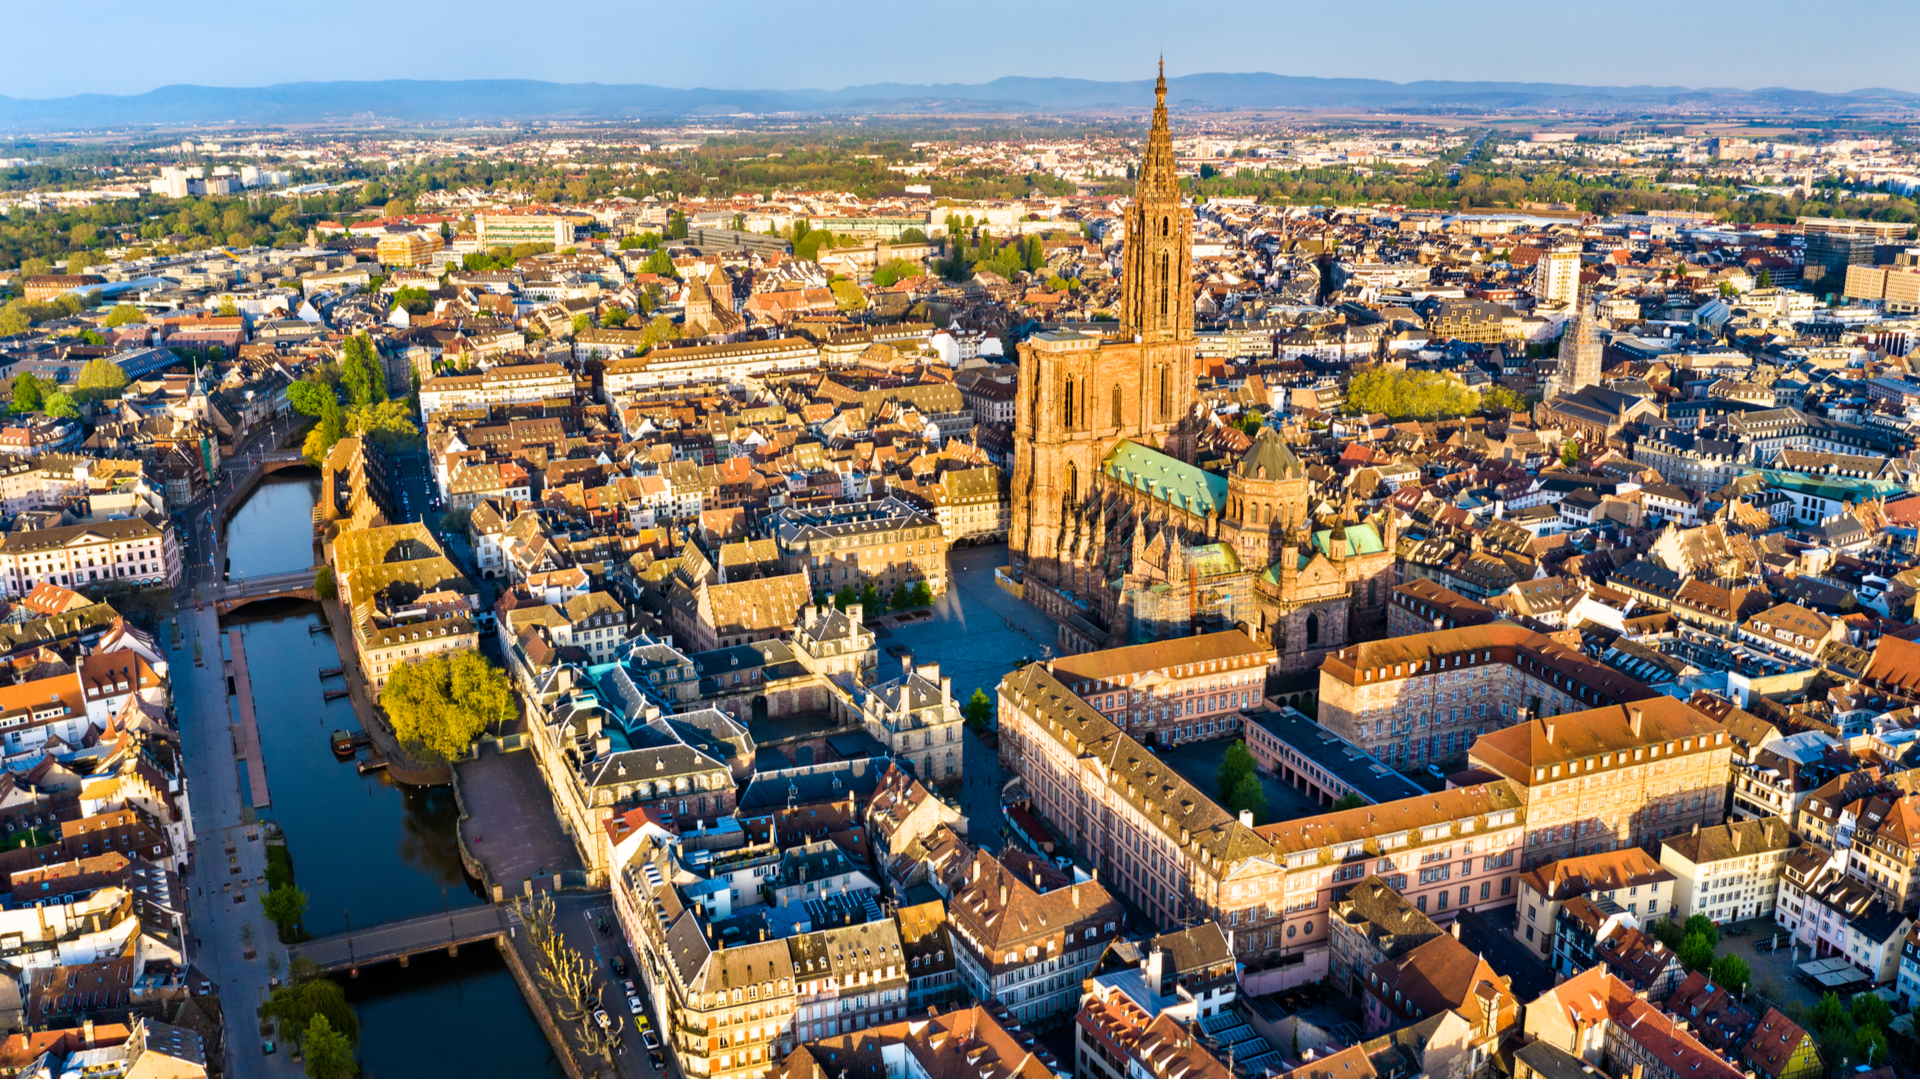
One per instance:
(1156,302)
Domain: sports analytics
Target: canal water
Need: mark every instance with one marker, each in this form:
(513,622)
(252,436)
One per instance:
(366,849)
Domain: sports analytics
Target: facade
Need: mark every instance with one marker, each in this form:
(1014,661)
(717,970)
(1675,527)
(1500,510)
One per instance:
(131,550)
(1372,925)
(508,230)
(883,542)
(1425,698)
(1599,1020)
(1028,950)
(1730,872)
(1611,777)
(1628,879)
(511,384)
(1168,848)
(1171,692)
(916,719)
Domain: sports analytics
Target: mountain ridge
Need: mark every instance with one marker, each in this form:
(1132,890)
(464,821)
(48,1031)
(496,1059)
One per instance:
(476,100)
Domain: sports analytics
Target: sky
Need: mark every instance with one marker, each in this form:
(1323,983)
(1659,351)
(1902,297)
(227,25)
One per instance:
(132,47)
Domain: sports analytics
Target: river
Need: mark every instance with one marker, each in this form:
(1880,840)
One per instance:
(365,849)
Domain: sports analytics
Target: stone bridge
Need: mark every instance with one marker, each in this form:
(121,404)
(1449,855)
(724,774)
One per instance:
(406,938)
(293,584)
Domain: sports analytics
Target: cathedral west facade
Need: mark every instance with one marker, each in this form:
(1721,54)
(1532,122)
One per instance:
(1116,532)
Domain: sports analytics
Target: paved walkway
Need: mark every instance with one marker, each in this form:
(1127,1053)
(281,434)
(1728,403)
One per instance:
(228,858)
(246,733)
(511,825)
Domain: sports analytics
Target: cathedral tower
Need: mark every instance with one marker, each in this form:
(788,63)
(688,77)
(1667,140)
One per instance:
(1080,395)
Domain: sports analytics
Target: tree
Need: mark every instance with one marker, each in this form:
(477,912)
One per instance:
(28,394)
(849,296)
(286,905)
(331,429)
(311,398)
(921,595)
(102,378)
(1235,765)
(35,267)
(387,423)
(440,703)
(323,585)
(361,373)
(1696,952)
(582,323)
(125,315)
(615,317)
(415,300)
(328,1052)
(309,993)
(1349,802)
(60,403)
(978,709)
(1764,281)
(845,597)
(1570,453)
(14,319)
(1700,924)
(900,598)
(1732,972)
(1248,794)
(677,226)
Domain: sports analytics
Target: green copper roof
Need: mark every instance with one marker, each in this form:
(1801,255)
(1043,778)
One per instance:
(1361,540)
(1836,488)
(1188,487)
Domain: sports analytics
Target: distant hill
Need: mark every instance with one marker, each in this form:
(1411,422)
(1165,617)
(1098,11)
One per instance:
(417,101)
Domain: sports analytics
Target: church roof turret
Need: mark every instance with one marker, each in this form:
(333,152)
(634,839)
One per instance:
(1270,458)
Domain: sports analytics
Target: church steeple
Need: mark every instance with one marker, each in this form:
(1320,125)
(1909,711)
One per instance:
(1156,300)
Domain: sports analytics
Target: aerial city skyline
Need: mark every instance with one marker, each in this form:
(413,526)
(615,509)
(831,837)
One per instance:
(1128,574)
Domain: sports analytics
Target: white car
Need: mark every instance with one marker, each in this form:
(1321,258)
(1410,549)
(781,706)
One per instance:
(600,1017)
(649,1040)
(633,1004)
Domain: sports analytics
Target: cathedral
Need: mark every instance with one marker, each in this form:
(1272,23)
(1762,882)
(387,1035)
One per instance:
(1116,533)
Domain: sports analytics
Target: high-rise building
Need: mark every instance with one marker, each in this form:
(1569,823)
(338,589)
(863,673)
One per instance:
(1556,277)
(1833,244)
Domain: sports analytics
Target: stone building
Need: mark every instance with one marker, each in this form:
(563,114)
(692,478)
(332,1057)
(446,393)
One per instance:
(1424,698)
(1372,925)
(1116,533)
(916,719)
(1611,777)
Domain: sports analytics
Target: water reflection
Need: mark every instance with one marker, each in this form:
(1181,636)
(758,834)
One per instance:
(368,850)
(272,532)
(448,1016)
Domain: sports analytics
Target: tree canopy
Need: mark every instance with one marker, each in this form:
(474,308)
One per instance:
(102,378)
(125,315)
(309,993)
(1239,784)
(440,703)
(387,423)
(1411,395)
(29,393)
(361,373)
(328,1052)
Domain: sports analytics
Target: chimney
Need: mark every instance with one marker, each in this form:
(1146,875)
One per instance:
(1634,716)
(1696,828)
(1156,965)
(906,662)
(1454,929)
(1076,894)
(1246,818)
(86,1032)
(1003,895)
(1549,731)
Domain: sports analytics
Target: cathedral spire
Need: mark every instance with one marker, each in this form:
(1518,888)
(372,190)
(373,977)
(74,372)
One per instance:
(1156,301)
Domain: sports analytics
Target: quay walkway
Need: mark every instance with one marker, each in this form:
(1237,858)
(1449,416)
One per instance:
(246,733)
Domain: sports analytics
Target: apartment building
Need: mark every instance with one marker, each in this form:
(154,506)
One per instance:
(132,550)
(1794,631)
(1027,950)
(1728,872)
(1421,606)
(1628,879)
(508,230)
(971,504)
(509,384)
(1886,830)
(1611,777)
(1426,697)
(1137,1021)
(917,720)
(882,542)
(1371,925)
(1599,1020)
(407,598)
(686,365)
(1165,693)
(1167,847)
(1835,915)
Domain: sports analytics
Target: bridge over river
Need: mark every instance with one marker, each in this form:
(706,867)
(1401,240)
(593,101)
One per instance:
(405,938)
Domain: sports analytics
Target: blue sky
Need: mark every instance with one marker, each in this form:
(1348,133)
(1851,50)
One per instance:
(754,44)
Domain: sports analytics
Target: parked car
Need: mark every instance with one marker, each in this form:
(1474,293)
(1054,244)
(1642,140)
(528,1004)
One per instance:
(634,1006)
(619,965)
(600,1017)
(650,1040)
